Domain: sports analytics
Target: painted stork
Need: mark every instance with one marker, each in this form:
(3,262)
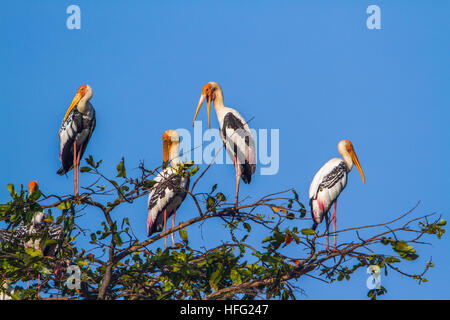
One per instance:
(29,235)
(166,196)
(76,130)
(235,133)
(328,184)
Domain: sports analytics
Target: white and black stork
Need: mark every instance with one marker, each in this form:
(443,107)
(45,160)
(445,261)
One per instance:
(75,131)
(329,182)
(235,133)
(166,196)
(30,235)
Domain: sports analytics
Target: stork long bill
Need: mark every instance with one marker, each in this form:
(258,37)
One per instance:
(74,102)
(358,166)
(166,140)
(200,102)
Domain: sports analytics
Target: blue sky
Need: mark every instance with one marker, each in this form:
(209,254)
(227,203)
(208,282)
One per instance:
(311,69)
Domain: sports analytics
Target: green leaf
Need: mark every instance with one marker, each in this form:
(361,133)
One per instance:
(183,234)
(118,239)
(90,161)
(302,212)
(247,226)
(405,250)
(194,170)
(11,190)
(121,171)
(65,205)
(59,220)
(220,196)
(308,232)
(125,221)
(235,277)
(85,169)
(33,252)
(210,202)
(35,195)
(164,295)
(216,276)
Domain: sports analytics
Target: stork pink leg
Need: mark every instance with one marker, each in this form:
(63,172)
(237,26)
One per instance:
(326,232)
(173,224)
(238,180)
(78,169)
(334,224)
(165,237)
(74,168)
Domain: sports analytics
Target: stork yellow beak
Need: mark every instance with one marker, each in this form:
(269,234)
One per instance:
(358,166)
(166,143)
(200,102)
(74,102)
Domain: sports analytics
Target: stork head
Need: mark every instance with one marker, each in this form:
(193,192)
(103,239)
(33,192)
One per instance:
(33,186)
(84,92)
(209,93)
(170,139)
(38,217)
(345,148)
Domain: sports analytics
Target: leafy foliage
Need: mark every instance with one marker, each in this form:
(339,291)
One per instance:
(249,263)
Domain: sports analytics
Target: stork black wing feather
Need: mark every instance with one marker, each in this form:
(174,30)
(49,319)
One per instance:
(231,122)
(334,176)
(163,195)
(79,128)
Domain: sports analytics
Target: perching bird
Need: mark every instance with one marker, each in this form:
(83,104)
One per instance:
(166,196)
(31,235)
(329,182)
(235,133)
(76,130)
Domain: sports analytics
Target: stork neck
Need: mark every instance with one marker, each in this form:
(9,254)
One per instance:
(83,105)
(174,154)
(218,100)
(348,160)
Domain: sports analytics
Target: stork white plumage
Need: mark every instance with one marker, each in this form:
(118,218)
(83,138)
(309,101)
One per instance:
(75,132)
(328,184)
(30,236)
(166,196)
(235,132)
